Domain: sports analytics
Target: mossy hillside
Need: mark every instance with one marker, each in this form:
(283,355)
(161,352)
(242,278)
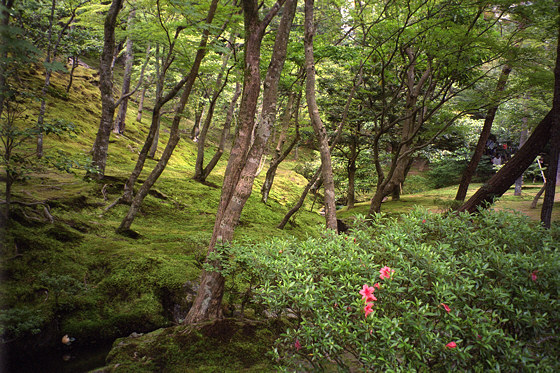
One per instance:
(77,276)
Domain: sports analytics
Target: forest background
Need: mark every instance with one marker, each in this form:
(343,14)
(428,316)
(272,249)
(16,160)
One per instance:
(111,117)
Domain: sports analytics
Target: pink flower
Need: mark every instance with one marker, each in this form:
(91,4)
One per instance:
(367,309)
(423,221)
(446,307)
(297,345)
(377,285)
(386,272)
(367,293)
(534,275)
(451,345)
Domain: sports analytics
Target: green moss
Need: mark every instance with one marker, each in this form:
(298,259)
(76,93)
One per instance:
(226,346)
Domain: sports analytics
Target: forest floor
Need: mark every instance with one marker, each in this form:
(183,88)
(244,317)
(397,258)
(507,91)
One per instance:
(76,276)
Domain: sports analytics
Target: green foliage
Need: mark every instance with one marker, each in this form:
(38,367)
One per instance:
(497,272)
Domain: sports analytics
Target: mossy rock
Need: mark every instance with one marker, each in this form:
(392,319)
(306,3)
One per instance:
(228,345)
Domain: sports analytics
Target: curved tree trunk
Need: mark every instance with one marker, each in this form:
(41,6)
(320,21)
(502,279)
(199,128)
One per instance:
(279,156)
(225,133)
(481,144)
(218,88)
(318,127)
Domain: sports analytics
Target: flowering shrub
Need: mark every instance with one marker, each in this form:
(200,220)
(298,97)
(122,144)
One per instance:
(453,293)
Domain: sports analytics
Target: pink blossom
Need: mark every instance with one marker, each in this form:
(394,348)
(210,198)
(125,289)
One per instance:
(367,293)
(446,307)
(297,345)
(423,221)
(367,309)
(451,345)
(534,275)
(386,272)
(377,285)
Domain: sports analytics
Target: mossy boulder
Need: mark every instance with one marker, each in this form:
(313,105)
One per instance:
(228,345)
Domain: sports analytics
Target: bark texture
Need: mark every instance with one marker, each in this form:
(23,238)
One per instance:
(243,161)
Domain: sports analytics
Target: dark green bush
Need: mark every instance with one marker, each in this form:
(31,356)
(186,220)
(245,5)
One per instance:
(486,284)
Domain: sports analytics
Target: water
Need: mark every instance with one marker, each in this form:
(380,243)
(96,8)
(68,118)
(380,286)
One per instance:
(68,360)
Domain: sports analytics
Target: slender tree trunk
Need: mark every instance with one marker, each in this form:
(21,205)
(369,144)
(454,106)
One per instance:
(155,141)
(198,114)
(318,127)
(174,135)
(72,69)
(141,104)
(279,156)
(351,169)
(156,115)
(537,196)
(244,156)
(101,144)
(225,133)
(120,122)
(218,88)
(481,145)
(522,139)
(301,199)
(48,73)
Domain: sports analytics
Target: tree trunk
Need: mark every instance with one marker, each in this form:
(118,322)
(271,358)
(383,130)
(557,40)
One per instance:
(101,144)
(301,199)
(551,170)
(174,135)
(554,152)
(156,114)
(218,88)
(279,156)
(225,133)
(318,127)
(351,170)
(537,196)
(503,179)
(155,141)
(244,156)
(120,122)
(73,68)
(141,104)
(481,145)
(48,74)
(519,180)
(198,114)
